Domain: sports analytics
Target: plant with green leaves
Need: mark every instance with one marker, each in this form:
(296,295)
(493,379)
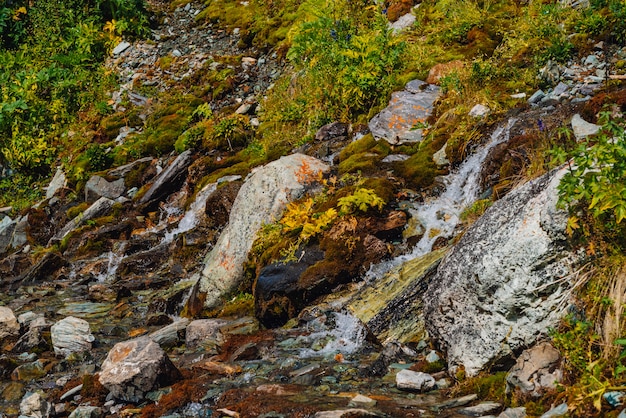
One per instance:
(596,180)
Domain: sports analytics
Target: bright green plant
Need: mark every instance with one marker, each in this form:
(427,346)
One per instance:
(597,175)
(361,200)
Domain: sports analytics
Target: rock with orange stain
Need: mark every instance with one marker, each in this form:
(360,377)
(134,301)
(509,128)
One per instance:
(133,368)
(443,69)
(261,200)
(408,110)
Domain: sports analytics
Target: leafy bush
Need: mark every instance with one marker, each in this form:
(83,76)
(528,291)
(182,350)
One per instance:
(597,176)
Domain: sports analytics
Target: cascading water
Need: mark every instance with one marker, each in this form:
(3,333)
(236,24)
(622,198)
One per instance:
(440,215)
(115,257)
(193,215)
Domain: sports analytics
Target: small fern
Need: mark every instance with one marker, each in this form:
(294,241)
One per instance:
(361,200)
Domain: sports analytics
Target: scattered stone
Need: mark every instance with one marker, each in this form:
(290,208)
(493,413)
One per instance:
(362,401)
(243,109)
(407,109)
(479,111)
(432,357)
(418,381)
(557,411)
(7,228)
(536,97)
(97,187)
(169,179)
(505,281)
(133,368)
(58,182)
(395,158)
(171,334)
(74,391)
(45,268)
(404,22)
(518,96)
(331,131)
(582,128)
(33,338)
(9,327)
(99,208)
(121,47)
(513,413)
(560,89)
(71,335)
(622,414)
(481,409)
(33,405)
(441,70)
(86,412)
(455,403)
(344,413)
(536,370)
(29,371)
(614,398)
(205,334)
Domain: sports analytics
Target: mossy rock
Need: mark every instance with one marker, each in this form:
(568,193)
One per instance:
(419,170)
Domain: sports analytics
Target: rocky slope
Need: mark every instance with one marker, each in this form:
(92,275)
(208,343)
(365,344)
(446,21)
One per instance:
(127,302)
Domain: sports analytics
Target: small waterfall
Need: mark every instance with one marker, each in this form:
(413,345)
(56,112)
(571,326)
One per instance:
(346,337)
(440,215)
(115,257)
(193,215)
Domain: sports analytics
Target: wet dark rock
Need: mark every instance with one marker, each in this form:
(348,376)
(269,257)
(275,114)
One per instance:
(503,284)
(133,368)
(142,262)
(331,131)
(34,338)
(44,270)
(97,187)
(168,181)
(220,203)
(278,296)
(537,370)
(170,335)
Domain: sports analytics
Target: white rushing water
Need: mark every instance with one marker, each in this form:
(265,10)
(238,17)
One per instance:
(193,216)
(346,337)
(114,257)
(440,215)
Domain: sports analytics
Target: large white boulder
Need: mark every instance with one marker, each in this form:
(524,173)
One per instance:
(262,199)
(71,335)
(506,282)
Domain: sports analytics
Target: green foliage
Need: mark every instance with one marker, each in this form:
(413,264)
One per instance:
(20,191)
(98,157)
(350,63)
(597,176)
(361,200)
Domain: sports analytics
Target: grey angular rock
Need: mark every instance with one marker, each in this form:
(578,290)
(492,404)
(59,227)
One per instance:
(353,412)
(133,368)
(170,335)
(205,333)
(71,335)
(34,405)
(58,182)
(98,187)
(404,22)
(456,402)
(169,179)
(261,199)
(506,281)
(34,336)
(536,370)
(536,97)
(481,409)
(123,170)
(513,413)
(331,130)
(557,411)
(86,412)
(9,327)
(479,111)
(407,109)
(582,128)
(99,208)
(7,228)
(418,381)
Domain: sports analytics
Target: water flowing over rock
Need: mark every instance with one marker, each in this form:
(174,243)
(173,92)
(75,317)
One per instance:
(261,199)
(71,335)
(506,282)
(133,368)
(407,108)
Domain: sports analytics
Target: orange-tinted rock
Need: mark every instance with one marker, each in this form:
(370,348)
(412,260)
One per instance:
(441,70)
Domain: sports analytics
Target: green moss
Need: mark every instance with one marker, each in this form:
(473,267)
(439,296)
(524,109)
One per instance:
(419,170)
(76,210)
(487,386)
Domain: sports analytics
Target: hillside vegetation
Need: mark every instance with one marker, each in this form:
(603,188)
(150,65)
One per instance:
(341,63)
